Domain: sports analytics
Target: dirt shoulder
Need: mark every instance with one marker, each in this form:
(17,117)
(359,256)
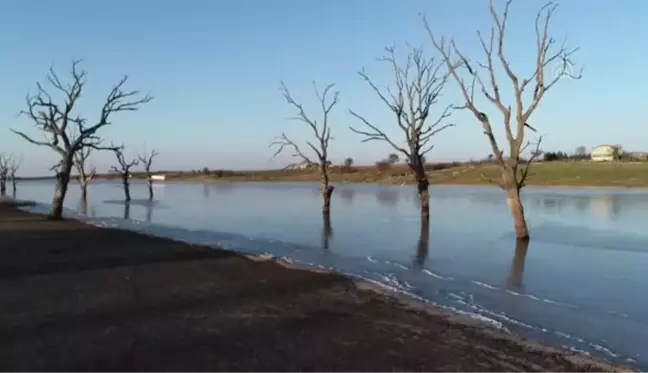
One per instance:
(80,298)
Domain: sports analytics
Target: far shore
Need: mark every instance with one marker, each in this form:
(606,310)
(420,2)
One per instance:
(581,174)
(410,183)
(109,299)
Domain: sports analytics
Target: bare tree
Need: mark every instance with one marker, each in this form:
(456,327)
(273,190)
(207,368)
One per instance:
(322,133)
(147,161)
(123,168)
(393,158)
(14,166)
(581,151)
(5,162)
(418,86)
(514,172)
(80,159)
(66,132)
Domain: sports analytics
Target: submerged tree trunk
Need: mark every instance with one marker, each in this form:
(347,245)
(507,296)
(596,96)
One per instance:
(84,190)
(62,181)
(327,231)
(149,212)
(517,212)
(326,194)
(126,187)
(3,186)
(14,188)
(327,189)
(83,206)
(422,185)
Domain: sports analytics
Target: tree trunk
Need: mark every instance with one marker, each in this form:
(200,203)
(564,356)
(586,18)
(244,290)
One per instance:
(13,187)
(84,191)
(3,187)
(327,189)
(327,231)
(62,181)
(517,212)
(127,210)
(149,212)
(126,187)
(150,188)
(422,185)
(327,192)
(83,206)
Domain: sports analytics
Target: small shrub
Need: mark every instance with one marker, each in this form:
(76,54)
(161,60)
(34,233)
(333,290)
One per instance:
(383,165)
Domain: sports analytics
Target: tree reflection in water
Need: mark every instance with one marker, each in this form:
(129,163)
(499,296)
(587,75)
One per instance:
(347,195)
(514,281)
(386,197)
(423,244)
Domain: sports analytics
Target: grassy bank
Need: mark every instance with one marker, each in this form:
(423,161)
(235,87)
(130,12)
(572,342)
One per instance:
(75,297)
(583,173)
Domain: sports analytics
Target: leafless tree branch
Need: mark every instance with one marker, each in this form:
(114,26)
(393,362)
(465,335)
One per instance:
(283,143)
(80,159)
(321,130)
(65,131)
(5,162)
(123,167)
(535,153)
(493,49)
(147,160)
(514,175)
(418,84)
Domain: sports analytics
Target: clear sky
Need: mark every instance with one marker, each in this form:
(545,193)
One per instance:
(214,68)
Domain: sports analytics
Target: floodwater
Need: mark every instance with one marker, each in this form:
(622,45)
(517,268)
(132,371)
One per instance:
(580,284)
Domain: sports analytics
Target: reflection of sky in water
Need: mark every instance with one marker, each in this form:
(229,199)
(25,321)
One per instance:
(583,275)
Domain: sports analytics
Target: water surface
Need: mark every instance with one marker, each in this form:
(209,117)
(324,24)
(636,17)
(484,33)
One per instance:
(579,284)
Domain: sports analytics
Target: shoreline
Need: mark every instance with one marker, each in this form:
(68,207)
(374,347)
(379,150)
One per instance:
(510,351)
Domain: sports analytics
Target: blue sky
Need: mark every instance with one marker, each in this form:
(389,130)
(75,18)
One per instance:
(214,68)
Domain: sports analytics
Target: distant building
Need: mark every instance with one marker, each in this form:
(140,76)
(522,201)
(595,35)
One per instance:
(605,153)
(305,165)
(158,177)
(638,156)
